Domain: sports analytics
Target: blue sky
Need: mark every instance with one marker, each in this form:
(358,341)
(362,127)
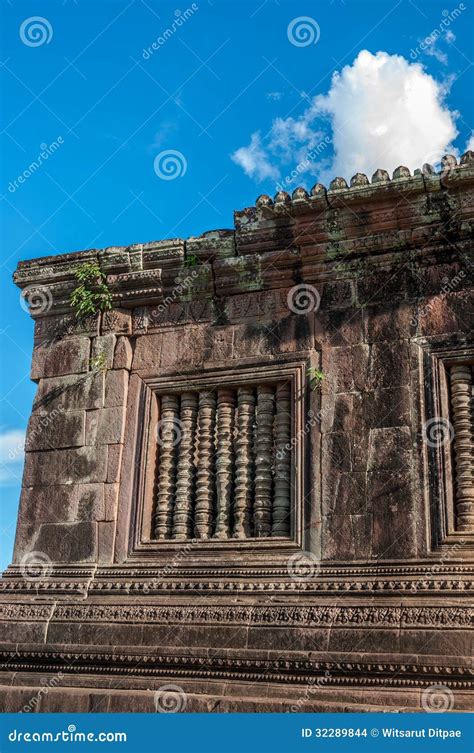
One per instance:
(242,94)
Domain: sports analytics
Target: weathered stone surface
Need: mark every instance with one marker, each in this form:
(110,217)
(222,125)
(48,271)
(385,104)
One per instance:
(209,399)
(52,359)
(83,464)
(116,388)
(69,393)
(123,354)
(68,542)
(102,353)
(105,426)
(55,429)
(389,449)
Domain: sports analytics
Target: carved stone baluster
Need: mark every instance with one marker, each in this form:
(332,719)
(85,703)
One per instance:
(182,516)
(205,489)
(244,464)
(461,396)
(225,460)
(282,493)
(168,438)
(262,510)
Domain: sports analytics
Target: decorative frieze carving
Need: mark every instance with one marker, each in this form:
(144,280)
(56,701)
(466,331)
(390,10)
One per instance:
(288,615)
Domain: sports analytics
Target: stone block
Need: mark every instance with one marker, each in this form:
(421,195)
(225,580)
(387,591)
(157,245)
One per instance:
(338,328)
(82,465)
(336,453)
(102,352)
(390,364)
(345,493)
(90,502)
(123,354)
(111,500)
(116,383)
(114,459)
(53,359)
(70,393)
(52,504)
(106,540)
(117,321)
(394,321)
(389,449)
(387,407)
(68,542)
(55,429)
(105,426)
(346,537)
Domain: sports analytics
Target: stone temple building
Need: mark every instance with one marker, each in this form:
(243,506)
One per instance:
(248,482)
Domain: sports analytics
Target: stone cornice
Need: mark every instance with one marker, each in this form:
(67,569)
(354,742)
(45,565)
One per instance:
(323,235)
(244,668)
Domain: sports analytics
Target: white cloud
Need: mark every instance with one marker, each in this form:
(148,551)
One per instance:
(254,161)
(12,444)
(470,143)
(381,111)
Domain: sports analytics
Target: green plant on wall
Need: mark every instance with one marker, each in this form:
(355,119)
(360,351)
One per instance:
(191,261)
(315,378)
(99,363)
(92,294)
